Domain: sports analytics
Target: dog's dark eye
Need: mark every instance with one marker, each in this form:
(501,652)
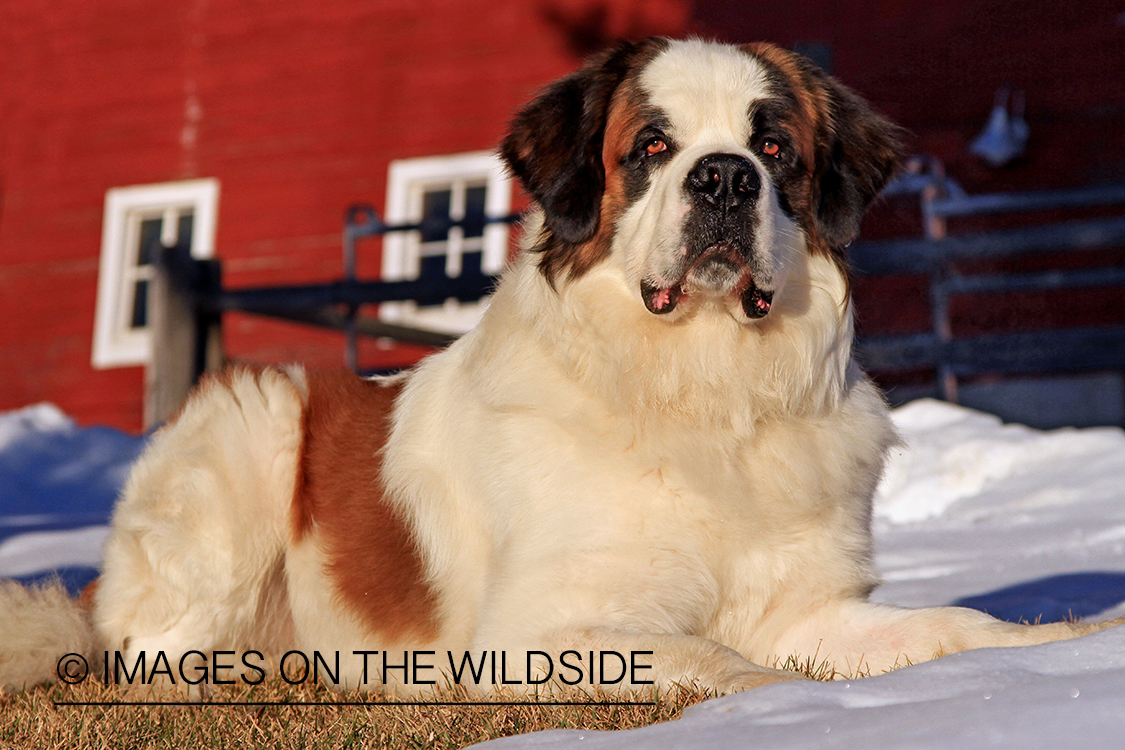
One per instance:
(654,146)
(771,148)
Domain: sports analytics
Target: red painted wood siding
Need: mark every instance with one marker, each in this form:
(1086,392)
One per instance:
(296,107)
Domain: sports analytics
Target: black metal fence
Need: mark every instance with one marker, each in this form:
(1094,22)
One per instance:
(940,255)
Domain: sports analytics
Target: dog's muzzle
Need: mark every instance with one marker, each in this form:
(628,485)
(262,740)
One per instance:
(724,190)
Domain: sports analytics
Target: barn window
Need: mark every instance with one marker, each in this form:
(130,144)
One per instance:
(463,187)
(139,221)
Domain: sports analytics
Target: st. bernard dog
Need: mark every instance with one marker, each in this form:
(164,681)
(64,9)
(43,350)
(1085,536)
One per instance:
(655,443)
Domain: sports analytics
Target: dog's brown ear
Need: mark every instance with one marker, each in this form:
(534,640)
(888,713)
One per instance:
(861,152)
(555,143)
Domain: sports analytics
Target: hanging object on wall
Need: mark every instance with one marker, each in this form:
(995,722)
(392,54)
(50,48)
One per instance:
(1004,138)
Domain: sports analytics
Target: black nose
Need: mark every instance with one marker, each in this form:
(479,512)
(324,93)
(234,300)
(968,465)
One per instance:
(725,181)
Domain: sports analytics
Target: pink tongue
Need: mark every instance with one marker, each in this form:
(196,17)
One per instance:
(660,300)
(756,303)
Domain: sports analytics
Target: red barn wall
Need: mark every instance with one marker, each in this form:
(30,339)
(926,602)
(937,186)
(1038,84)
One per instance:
(296,107)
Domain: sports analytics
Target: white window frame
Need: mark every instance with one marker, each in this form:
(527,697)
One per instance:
(407,181)
(116,344)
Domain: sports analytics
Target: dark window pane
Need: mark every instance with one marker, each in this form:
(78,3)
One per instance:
(474,211)
(435,215)
(432,267)
(470,264)
(149,241)
(183,234)
(140,305)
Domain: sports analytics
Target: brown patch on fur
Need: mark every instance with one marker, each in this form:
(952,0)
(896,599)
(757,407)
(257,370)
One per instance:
(86,598)
(805,120)
(812,102)
(847,151)
(556,147)
(372,559)
(622,126)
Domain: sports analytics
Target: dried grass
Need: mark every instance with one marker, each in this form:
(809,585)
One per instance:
(279,715)
(307,718)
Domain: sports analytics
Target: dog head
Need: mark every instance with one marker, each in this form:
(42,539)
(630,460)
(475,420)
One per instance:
(706,166)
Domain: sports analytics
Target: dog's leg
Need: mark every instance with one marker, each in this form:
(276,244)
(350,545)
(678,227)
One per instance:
(194,558)
(858,638)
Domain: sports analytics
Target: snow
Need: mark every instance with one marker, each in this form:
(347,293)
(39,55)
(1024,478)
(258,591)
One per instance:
(25,554)
(1057,695)
(39,418)
(58,483)
(1014,521)
(957,454)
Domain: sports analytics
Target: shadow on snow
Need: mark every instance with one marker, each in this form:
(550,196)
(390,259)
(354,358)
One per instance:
(1054,598)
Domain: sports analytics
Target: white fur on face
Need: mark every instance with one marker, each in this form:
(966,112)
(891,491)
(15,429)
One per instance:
(705,91)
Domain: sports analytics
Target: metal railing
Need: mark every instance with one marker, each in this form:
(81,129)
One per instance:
(336,305)
(941,255)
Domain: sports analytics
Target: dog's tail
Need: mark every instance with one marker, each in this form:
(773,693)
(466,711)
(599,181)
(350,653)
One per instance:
(41,627)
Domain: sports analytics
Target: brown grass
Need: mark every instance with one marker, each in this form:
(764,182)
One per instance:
(37,719)
(311,716)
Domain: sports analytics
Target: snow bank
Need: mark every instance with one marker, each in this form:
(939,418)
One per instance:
(951,454)
(43,552)
(54,472)
(18,425)
(1013,521)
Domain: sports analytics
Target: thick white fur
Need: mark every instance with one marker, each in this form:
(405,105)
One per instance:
(195,557)
(577,472)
